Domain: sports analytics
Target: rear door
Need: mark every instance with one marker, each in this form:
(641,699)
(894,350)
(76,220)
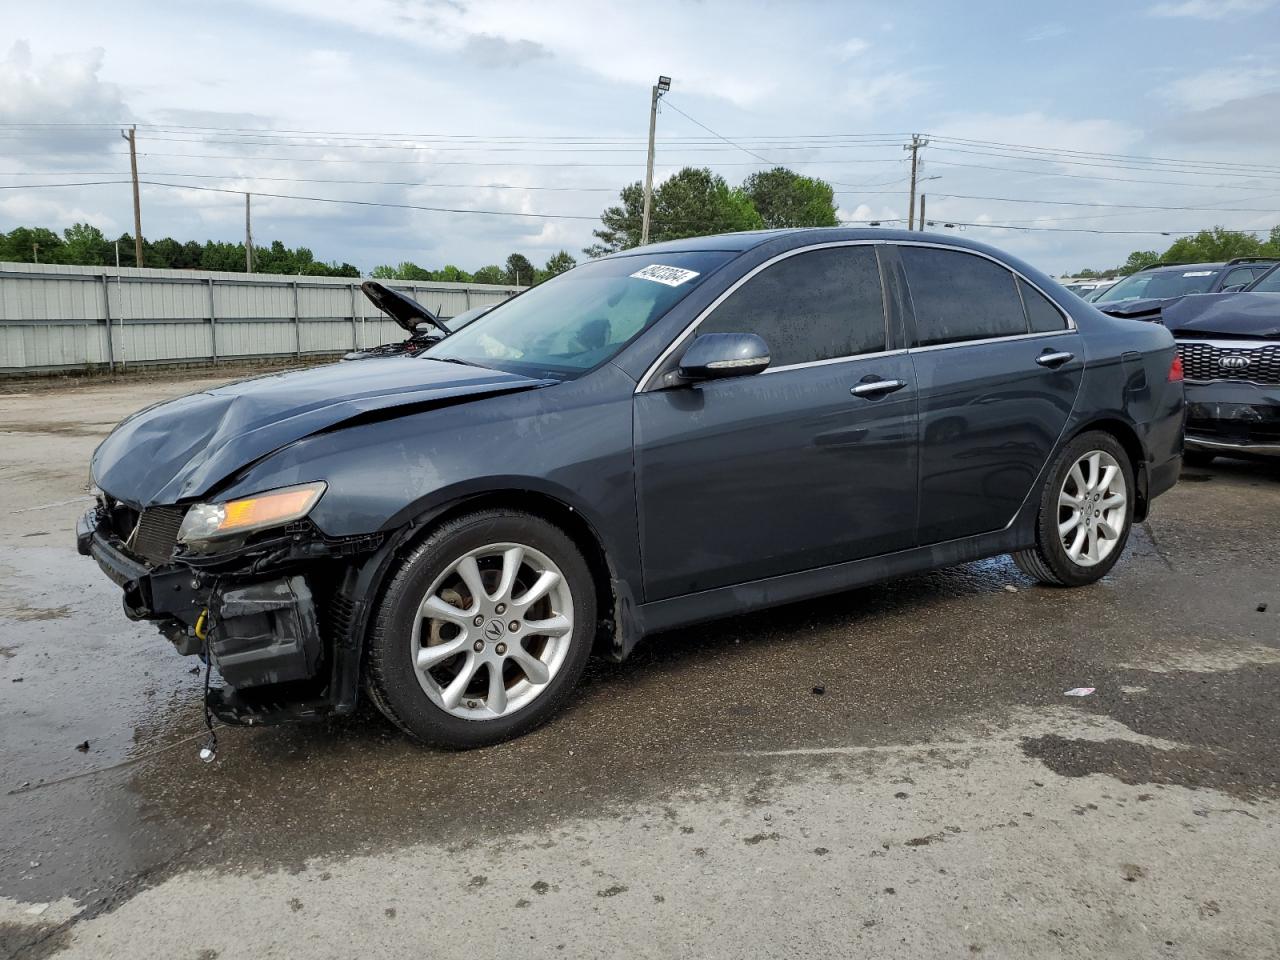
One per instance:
(998,367)
(806,464)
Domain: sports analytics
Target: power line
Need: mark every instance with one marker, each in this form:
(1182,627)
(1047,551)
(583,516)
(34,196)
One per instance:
(1089,176)
(1082,203)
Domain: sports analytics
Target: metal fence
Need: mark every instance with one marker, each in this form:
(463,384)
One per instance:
(55,317)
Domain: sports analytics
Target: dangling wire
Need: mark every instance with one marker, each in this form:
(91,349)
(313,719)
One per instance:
(203,629)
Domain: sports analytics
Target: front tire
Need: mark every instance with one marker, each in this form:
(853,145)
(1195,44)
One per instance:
(1086,511)
(483,631)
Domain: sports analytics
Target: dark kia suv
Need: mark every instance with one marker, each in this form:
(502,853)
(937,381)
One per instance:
(671,434)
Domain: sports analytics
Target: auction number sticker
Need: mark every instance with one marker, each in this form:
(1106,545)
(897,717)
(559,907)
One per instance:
(1199,273)
(671,276)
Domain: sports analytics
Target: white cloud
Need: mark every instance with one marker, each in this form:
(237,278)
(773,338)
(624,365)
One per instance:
(853,48)
(1217,85)
(1209,9)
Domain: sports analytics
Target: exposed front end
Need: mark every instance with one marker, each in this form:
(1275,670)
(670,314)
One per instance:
(268,608)
(1233,396)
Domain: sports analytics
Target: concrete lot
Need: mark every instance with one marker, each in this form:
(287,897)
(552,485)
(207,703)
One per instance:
(941,798)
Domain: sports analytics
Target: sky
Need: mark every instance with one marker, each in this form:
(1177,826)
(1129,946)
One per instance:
(542,109)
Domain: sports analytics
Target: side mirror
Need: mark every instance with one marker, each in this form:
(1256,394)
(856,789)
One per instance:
(713,356)
(427,331)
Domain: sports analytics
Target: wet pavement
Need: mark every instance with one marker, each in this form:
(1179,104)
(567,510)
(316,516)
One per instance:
(940,795)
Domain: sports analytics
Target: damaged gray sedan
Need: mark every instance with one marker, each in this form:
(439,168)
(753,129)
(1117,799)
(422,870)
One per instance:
(672,434)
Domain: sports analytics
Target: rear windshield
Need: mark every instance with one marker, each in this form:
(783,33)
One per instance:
(1161,283)
(580,319)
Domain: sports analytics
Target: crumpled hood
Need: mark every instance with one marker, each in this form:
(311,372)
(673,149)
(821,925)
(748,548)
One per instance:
(1225,314)
(1230,314)
(182,448)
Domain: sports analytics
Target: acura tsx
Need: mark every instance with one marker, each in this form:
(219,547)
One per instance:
(667,435)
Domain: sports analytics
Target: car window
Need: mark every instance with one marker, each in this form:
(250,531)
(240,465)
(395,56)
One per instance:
(1238,275)
(1177,282)
(960,296)
(1267,283)
(1042,315)
(581,318)
(812,306)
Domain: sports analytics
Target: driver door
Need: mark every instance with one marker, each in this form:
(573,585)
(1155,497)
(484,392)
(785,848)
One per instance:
(803,465)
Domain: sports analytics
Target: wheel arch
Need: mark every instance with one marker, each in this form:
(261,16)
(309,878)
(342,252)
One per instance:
(616,630)
(1127,436)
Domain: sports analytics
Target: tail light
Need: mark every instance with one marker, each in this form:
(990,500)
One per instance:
(1175,369)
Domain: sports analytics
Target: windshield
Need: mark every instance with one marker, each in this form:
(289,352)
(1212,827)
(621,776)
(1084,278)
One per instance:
(1268,283)
(1161,283)
(578,320)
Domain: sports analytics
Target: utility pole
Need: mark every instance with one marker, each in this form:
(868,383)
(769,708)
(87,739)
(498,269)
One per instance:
(922,199)
(132,137)
(661,87)
(117,254)
(248,238)
(35,251)
(914,146)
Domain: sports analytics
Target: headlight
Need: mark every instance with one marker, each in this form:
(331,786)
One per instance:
(208,521)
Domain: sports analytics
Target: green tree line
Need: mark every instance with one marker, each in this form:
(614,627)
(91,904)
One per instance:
(85,245)
(1208,246)
(518,271)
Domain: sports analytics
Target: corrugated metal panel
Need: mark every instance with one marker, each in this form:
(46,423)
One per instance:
(54,316)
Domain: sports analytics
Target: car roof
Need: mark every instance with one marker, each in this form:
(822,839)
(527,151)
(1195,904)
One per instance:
(748,239)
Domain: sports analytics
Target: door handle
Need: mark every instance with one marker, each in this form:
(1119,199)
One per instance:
(1052,360)
(875,388)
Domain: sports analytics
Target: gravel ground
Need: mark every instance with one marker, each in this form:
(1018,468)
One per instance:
(940,797)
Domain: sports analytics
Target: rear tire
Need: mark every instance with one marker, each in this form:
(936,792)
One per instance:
(1198,458)
(483,630)
(1086,511)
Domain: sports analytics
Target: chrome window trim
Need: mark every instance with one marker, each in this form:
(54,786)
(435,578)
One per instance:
(972,343)
(901,351)
(645,382)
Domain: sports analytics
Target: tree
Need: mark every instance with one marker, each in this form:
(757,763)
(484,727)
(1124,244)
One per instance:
(1213,245)
(558,264)
(85,245)
(519,270)
(491,274)
(692,203)
(1139,259)
(784,198)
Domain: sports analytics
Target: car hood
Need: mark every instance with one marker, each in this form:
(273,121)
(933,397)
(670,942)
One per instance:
(182,448)
(1228,314)
(1225,314)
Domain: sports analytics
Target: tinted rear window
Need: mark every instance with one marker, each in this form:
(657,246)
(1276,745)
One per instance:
(1042,315)
(960,296)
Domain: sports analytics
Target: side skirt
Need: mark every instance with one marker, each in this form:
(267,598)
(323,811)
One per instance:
(758,594)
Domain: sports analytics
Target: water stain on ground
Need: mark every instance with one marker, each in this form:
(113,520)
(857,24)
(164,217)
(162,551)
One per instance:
(1225,742)
(20,611)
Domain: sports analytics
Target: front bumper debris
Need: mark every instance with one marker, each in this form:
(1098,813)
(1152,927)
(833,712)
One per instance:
(282,654)
(1233,418)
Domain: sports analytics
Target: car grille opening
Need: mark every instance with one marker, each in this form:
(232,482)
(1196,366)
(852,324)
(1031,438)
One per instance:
(157,533)
(1205,361)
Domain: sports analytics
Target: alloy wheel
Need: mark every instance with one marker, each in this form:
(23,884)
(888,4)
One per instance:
(492,631)
(1092,508)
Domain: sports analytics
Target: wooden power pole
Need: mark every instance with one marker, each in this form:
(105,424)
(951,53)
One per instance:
(248,238)
(132,137)
(922,199)
(659,88)
(914,146)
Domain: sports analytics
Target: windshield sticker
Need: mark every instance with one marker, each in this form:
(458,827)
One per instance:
(671,276)
(1199,273)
